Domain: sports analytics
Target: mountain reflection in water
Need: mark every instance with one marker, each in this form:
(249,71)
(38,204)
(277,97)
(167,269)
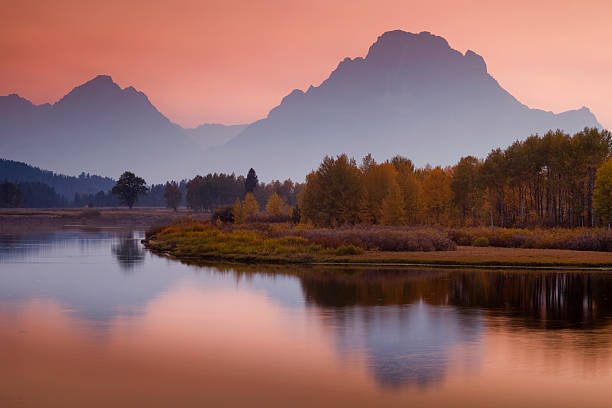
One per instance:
(73,322)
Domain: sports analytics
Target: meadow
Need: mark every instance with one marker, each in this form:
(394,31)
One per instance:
(286,243)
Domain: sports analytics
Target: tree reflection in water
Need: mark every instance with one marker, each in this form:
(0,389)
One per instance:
(545,299)
(409,321)
(128,251)
(437,310)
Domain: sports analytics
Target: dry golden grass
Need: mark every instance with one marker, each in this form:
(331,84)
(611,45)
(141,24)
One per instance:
(465,255)
(199,241)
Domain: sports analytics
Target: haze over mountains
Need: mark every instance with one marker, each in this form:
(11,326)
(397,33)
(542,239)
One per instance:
(411,95)
(100,128)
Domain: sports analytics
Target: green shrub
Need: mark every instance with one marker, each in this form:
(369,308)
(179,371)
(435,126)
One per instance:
(349,250)
(481,242)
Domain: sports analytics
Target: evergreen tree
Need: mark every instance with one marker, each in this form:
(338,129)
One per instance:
(10,195)
(251,181)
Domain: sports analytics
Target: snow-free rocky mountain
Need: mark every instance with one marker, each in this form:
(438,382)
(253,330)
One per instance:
(412,94)
(100,128)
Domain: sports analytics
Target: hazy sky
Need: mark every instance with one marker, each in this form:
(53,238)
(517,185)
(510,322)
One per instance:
(231,61)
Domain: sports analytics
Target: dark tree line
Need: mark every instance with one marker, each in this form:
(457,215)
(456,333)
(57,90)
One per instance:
(10,195)
(67,186)
(219,190)
(547,181)
(214,190)
(31,194)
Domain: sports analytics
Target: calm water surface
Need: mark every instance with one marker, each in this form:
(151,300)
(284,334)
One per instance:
(90,319)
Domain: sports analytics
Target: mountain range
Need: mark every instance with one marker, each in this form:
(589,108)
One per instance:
(102,128)
(412,94)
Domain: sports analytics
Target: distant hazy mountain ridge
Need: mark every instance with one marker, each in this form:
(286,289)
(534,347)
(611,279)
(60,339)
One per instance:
(412,94)
(102,128)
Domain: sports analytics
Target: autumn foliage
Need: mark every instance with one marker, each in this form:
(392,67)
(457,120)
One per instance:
(555,180)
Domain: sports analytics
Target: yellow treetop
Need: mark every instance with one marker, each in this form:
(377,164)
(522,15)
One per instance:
(250,207)
(275,206)
(238,212)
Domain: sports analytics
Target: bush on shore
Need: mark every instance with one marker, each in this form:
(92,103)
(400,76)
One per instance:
(397,239)
(391,239)
(204,240)
(481,242)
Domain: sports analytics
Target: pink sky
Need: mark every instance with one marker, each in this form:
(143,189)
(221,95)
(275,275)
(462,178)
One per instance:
(231,61)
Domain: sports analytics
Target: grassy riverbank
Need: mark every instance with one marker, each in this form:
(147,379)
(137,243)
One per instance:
(198,241)
(284,243)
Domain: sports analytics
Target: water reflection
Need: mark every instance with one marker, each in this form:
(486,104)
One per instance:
(25,246)
(172,334)
(129,251)
(545,299)
(410,322)
(409,345)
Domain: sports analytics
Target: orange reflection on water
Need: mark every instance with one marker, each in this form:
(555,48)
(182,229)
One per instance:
(237,347)
(188,347)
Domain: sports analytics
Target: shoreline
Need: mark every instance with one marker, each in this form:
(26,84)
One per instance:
(24,220)
(481,258)
(19,221)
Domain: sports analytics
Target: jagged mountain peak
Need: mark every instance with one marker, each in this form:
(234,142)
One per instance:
(399,65)
(476,60)
(101,83)
(100,127)
(402,43)
(102,96)
(411,94)
(14,100)
(101,79)
(102,91)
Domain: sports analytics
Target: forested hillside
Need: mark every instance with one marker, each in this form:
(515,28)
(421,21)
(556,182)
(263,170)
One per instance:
(66,186)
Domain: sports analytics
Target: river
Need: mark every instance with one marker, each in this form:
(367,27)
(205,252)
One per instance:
(92,319)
